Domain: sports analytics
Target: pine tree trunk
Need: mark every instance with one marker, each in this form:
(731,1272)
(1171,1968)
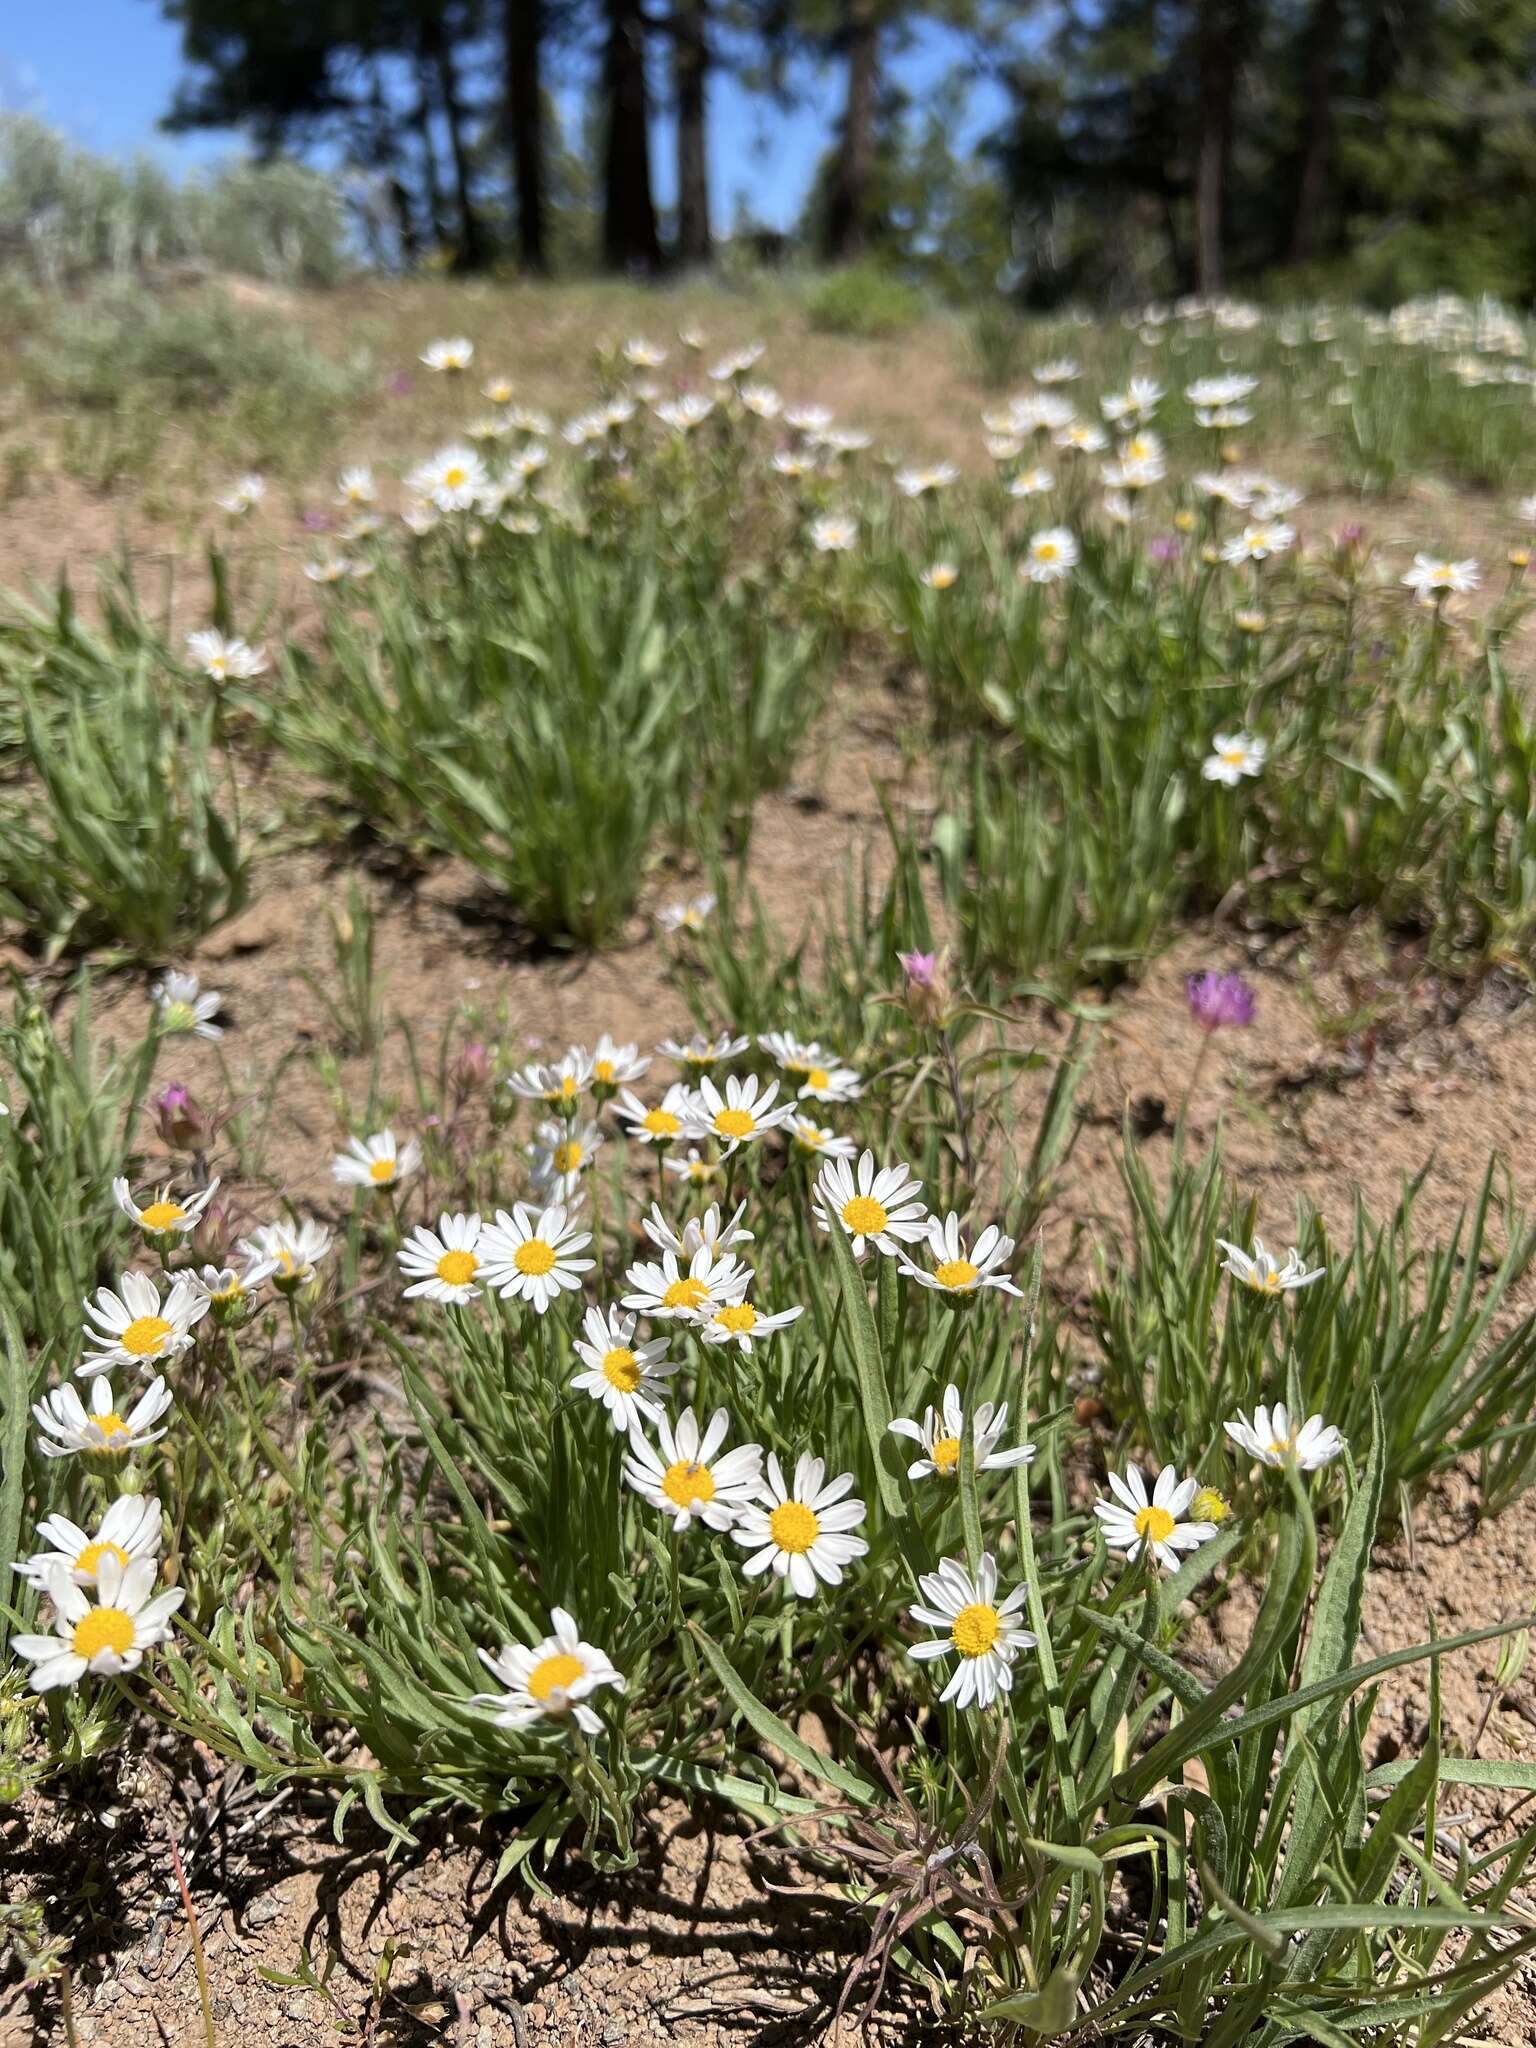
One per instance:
(524,39)
(690,62)
(1312,178)
(848,210)
(629,213)
(472,241)
(432,184)
(1217,70)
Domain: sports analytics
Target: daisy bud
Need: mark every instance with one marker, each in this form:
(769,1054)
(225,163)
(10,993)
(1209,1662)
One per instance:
(472,1069)
(1209,1505)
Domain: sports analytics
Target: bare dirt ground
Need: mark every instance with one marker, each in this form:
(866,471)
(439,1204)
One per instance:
(693,1947)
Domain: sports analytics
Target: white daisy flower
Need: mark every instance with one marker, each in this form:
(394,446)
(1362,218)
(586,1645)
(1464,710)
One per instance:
(939,576)
(1259,540)
(833,534)
(497,390)
(356,486)
(559,1085)
(183,1005)
(802,1532)
(107,1637)
(165,1216)
(552,1680)
(817,1142)
(1273,1439)
(940,1433)
(714,1232)
(1431,578)
(684,1478)
(673,1288)
(292,1251)
(1052,554)
(614,1065)
(1031,483)
(69,1429)
(641,354)
(135,1327)
(762,400)
(1060,370)
(454,353)
(244,496)
(809,419)
(743,1324)
(376,1162)
(1218,392)
(794,1055)
(1262,1273)
(659,1125)
(530,1256)
(693,1167)
(229,1290)
(224,660)
(560,1155)
(1526,509)
(1079,437)
(452,480)
(130,1528)
(957,1272)
(683,414)
(985,1632)
(1234,755)
(691,916)
(443,1264)
(831,1083)
(879,1208)
(918,483)
(746,1112)
(1134,1519)
(621,1372)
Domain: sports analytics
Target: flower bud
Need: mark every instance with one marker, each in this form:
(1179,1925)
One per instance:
(180,1120)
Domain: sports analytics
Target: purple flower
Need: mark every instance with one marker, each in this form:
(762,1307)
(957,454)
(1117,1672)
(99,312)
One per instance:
(1220,1000)
(181,1122)
(919,968)
(399,384)
(1163,548)
(316,522)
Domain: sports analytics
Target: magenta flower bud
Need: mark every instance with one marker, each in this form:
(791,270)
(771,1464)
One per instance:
(179,1120)
(472,1068)
(919,968)
(927,991)
(1220,1001)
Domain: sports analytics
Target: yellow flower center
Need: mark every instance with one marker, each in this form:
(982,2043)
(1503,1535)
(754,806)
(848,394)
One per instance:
(567,1158)
(818,1077)
(533,1257)
(976,1628)
(457,1268)
(568,1087)
(453,476)
(554,1674)
(809,1136)
(661,1123)
(621,1369)
(104,1628)
(735,1123)
(93,1553)
(946,1453)
(382,1170)
(111,1424)
(942,578)
(864,1216)
(1156,1524)
(602,1070)
(956,1273)
(793,1527)
(685,1293)
(1234,756)
(1045,551)
(144,1336)
(1209,1505)
(688,1486)
(178,1017)
(737,1317)
(161,1215)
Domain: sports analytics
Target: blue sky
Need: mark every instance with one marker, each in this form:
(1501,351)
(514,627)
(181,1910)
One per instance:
(104,72)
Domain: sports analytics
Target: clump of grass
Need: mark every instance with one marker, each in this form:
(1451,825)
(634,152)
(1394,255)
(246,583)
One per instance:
(866,301)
